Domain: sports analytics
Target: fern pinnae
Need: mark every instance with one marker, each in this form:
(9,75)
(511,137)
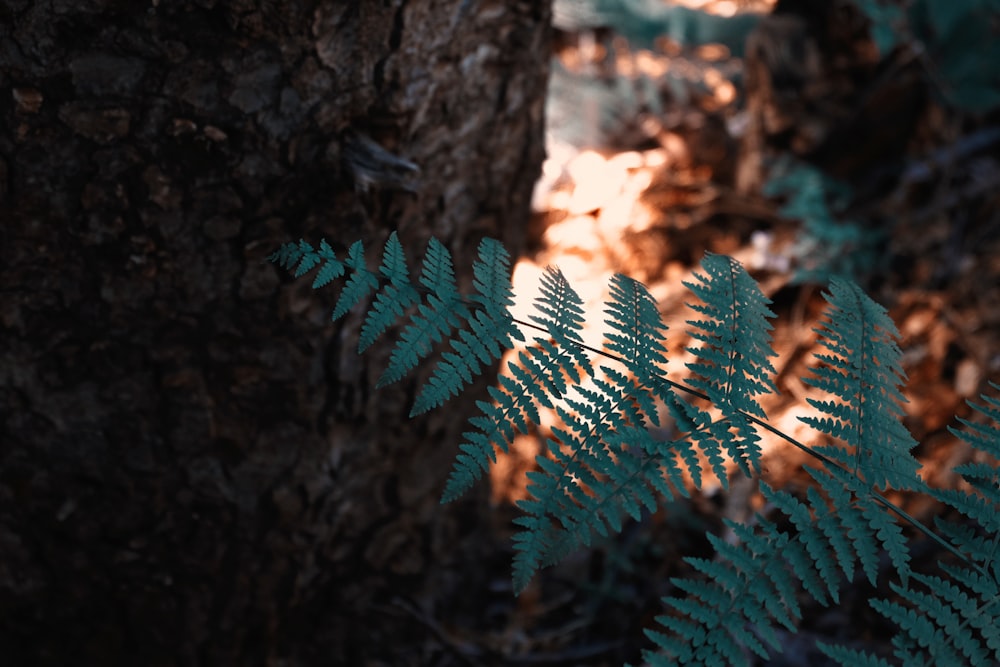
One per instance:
(359,285)
(732,363)
(983,437)
(954,619)
(746,591)
(394,299)
(331,268)
(605,466)
(637,331)
(490,329)
(442,310)
(601,477)
(306,259)
(863,371)
(543,369)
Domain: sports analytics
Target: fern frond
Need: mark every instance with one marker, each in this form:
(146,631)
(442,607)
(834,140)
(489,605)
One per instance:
(984,437)
(818,568)
(637,331)
(544,370)
(361,283)
(488,332)
(746,591)
(307,259)
(733,365)
(946,622)
(955,619)
(852,657)
(863,372)
(288,254)
(605,465)
(443,310)
(331,269)
(562,317)
(392,301)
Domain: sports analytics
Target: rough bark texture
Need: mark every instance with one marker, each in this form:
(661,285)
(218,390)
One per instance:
(194,468)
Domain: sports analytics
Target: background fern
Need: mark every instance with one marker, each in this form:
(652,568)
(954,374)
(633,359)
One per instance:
(603,464)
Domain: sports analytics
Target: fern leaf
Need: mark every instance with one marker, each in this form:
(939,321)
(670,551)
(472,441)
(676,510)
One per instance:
(361,283)
(491,278)
(289,254)
(864,372)
(489,331)
(331,269)
(394,299)
(732,364)
(562,317)
(851,657)
(746,591)
(544,370)
(434,320)
(984,437)
(817,568)
(605,466)
(955,619)
(637,331)
(307,259)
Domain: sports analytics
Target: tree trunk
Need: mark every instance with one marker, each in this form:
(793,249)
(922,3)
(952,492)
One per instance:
(195,469)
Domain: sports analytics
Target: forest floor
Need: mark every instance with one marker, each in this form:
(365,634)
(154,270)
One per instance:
(650,207)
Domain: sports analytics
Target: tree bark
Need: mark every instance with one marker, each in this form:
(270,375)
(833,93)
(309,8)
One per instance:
(195,469)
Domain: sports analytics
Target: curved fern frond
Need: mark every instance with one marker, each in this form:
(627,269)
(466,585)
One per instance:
(637,331)
(863,371)
(750,587)
(733,365)
(983,437)
(604,465)
(331,267)
(955,619)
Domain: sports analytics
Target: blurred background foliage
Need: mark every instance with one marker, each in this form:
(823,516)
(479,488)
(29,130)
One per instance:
(640,61)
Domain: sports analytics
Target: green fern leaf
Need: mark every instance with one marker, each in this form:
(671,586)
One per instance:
(955,619)
(817,568)
(864,372)
(544,370)
(637,331)
(331,269)
(733,365)
(361,283)
(288,255)
(488,332)
(394,299)
(745,591)
(443,310)
(984,437)
(605,466)
(562,317)
(851,657)
(307,257)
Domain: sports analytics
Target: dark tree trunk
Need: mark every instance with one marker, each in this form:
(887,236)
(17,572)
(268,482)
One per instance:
(194,469)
